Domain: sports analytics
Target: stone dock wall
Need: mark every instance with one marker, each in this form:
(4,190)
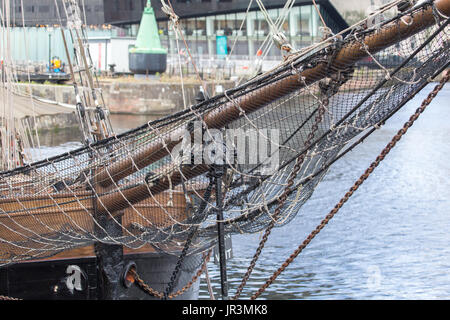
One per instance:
(52,122)
(139,98)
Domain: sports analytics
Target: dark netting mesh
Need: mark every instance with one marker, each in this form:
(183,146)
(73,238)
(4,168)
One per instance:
(270,140)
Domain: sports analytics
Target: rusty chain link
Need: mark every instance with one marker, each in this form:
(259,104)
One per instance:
(282,199)
(146,288)
(357,184)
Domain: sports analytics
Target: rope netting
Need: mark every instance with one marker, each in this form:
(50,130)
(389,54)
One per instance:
(270,141)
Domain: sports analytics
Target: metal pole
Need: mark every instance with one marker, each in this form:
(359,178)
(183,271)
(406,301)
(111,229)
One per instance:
(49,53)
(221,234)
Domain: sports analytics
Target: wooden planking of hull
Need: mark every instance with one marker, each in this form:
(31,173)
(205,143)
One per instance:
(43,225)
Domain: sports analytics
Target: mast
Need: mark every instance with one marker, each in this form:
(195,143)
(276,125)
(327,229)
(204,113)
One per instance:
(92,112)
(12,137)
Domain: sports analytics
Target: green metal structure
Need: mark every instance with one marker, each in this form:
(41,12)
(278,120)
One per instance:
(148,56)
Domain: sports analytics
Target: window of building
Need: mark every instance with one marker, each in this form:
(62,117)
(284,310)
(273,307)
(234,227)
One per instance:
(304,22)
(44,9)
(162,28)
(260,25)
(240,21)
(188,26)
(220,25)
(200,28)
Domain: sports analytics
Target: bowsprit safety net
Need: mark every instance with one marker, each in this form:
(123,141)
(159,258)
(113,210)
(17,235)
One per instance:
(269,142)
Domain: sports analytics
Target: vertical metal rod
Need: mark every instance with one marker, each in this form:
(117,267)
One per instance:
(49,53)
(221,235)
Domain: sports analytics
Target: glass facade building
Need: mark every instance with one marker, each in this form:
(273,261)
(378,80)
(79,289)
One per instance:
(244,33)
(203,22)
(32,13)
(211,29)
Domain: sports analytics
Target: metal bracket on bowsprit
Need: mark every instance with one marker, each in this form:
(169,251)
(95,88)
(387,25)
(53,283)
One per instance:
(151,178)
(216,171)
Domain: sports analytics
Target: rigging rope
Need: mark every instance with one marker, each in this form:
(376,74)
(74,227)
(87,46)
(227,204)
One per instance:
(170,12)
(145,176)
(358,183)
(5,298)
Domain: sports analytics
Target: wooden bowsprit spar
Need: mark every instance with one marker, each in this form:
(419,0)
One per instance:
(346,57)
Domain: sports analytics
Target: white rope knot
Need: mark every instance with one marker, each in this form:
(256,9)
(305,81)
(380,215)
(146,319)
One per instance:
(327,32)
(169,12)
(302,79)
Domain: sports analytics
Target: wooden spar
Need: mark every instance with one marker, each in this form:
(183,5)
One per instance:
(119,201)
(346,57)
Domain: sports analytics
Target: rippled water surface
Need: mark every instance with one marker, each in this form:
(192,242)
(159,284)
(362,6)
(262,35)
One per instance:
(391,240)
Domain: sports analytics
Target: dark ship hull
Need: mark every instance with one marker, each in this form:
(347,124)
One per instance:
(96,278)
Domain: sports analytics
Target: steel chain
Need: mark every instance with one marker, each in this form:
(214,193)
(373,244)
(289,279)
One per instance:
(188,243)
(357,184)
(146,288)
(282,200)
(183,254)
